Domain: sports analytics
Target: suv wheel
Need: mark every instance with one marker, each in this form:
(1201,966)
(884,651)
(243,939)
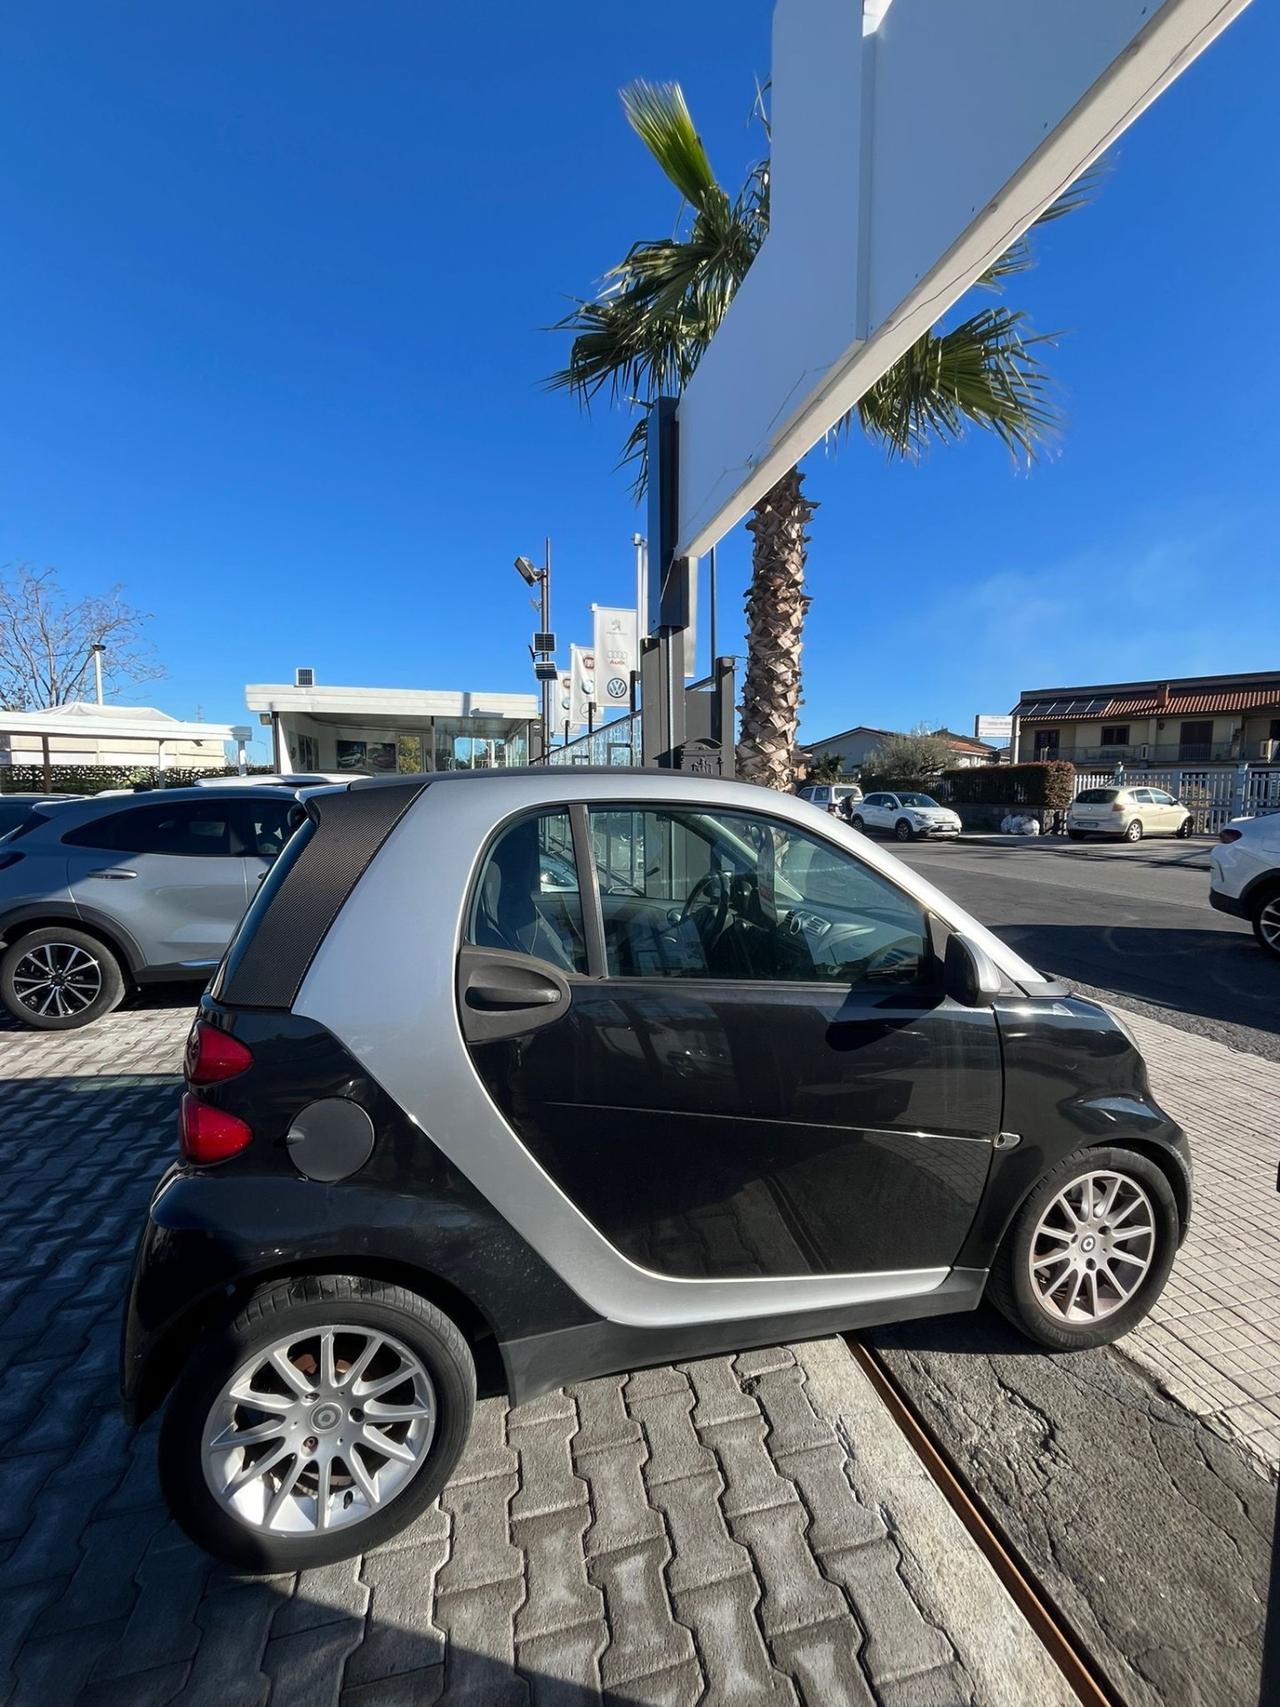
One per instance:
(59,980)
(1133,831)
(317,1424)
(1266,920)
(1089,1252)
(857,822)
(903,831)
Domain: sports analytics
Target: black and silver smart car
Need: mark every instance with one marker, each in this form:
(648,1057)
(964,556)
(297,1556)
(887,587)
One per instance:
(518,1077)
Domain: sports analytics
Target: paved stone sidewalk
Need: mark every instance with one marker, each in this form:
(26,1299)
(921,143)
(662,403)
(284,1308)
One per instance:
(1213,1340)
(739,1530)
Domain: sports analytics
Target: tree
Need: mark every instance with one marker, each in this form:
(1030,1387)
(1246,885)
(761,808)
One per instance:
(916,757)
(828,768)
(46,641)
(644,332)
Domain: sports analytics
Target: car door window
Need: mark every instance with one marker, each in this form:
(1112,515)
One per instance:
(186,829)
(690,893)
(261,827)
(1143,796)
(527,899)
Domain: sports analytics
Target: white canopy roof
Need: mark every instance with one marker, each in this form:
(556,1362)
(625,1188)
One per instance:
(110,723)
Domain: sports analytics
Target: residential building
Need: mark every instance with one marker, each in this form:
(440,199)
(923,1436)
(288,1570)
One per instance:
(392,729)
(855,747)
(1189,720)
(81,734)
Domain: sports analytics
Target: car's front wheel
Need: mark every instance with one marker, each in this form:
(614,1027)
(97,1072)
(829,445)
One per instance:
(317,1423)
(59,980)
(857,822)
(903,831)
(1266,920)
(1089,1252)
(1185,829)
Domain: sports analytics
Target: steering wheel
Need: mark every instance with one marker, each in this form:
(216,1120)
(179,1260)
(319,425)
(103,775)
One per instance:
(710,894)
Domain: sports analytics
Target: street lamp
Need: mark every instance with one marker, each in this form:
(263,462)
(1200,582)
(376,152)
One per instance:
(544,642)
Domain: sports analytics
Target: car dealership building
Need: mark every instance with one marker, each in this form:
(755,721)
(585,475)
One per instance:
(392,729)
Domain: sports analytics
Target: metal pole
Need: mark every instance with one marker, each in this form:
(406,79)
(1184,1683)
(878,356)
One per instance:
(546,624)
(642,586)
(98,650)
(711,586)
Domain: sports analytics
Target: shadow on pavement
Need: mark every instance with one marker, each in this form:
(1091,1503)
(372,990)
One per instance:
(1220,975)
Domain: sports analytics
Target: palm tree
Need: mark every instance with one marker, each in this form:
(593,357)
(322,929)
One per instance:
(642,335)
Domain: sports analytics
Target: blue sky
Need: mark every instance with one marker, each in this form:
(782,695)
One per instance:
(276,277)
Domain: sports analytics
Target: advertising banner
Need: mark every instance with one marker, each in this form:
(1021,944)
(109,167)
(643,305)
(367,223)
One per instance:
(582,674)
(563,706)
(617,655)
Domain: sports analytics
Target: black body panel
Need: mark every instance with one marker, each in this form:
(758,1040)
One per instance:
(1072,1079)
(214,1231)
(1236,905)
(743,1129)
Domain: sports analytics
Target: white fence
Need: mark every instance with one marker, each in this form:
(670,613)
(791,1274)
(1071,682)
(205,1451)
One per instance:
(1214,795)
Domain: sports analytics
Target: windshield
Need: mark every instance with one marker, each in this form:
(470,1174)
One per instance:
(917,800)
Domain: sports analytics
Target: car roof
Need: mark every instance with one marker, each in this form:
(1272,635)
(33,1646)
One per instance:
(88,806)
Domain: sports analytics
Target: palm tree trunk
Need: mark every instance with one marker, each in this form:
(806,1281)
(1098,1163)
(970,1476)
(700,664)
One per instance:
(776,606)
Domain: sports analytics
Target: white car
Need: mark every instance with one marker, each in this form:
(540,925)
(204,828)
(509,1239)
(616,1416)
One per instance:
(831,796)
(1129,812)
(906,816)
(1244,876)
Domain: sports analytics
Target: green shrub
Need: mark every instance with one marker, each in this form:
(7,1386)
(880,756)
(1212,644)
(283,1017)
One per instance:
(1051,784)
(92,779)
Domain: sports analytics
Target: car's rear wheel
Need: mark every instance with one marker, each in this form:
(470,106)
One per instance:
(1266,920)
(317,1423)
(59,980)
(903,831)
(1089,1252)
(1133,830)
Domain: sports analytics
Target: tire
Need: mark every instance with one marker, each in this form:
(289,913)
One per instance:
(1076,835)
(85,979)
(1012,1290)
(857,823)
(442,1386)
(1265,912)
(902,830)
(1184,830)
(1133,831)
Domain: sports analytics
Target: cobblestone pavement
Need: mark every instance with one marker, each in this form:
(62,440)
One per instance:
(1213,1340)
(739,1530)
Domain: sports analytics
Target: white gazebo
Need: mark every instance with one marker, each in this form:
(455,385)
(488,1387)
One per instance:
(84,734)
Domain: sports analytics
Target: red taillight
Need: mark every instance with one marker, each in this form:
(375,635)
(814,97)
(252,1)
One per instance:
(214,1055)
(208,1134)
(1229,835)
(1118,806)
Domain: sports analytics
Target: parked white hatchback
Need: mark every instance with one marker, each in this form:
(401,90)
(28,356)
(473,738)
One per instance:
(1129,813)
(905,816)
(833,797)
(1244,876)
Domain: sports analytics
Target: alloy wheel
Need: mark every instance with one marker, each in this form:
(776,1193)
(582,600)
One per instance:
(319,1430)
(1269,924)
(1093,1247)
(57,980)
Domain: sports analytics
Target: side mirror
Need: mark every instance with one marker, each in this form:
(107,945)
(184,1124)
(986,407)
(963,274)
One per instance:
(970,976)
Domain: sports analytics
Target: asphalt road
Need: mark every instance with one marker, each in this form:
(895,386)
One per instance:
(1151,1535)
(1131,924)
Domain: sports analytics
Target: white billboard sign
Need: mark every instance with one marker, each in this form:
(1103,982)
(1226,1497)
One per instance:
(564,723)
(997,730)
(888,201)
(617,655)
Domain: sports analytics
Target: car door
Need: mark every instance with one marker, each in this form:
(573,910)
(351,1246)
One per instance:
(873,812)
(1145,809)
(167,873)
(1167,814)
(260,827)
(754,1071)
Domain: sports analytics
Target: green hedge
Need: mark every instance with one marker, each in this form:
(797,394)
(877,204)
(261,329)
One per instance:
(1051,784)
(92,779)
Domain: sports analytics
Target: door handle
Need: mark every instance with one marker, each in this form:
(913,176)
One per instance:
(497,997)
(112,876)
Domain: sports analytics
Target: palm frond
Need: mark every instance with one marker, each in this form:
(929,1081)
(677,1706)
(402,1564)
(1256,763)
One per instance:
(660,117)
(986,372)
(1019,257)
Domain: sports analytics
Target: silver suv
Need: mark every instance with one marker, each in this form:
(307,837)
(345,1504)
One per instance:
(97,895)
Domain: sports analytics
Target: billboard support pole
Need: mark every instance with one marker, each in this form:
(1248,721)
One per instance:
(670,577)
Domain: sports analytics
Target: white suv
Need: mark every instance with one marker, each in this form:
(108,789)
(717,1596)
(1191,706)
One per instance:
(1245,875)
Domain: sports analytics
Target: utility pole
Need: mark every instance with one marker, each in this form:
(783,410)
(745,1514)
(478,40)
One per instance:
(544,642)
(98,649)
